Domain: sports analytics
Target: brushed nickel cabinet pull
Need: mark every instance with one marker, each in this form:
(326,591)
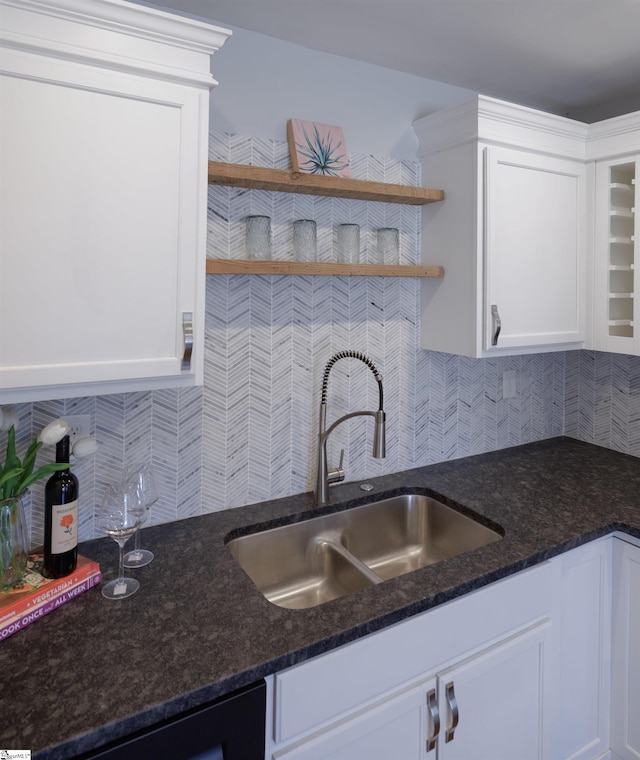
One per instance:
(497,324)
(187,332)
(453,710)
(432,706)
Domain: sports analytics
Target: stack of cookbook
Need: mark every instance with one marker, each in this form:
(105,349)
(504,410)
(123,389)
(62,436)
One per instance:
(37,595)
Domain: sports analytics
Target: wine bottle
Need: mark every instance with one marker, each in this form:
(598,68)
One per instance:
(61,518)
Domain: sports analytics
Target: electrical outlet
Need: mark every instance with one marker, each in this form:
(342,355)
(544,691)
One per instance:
(509,388)
(80,425)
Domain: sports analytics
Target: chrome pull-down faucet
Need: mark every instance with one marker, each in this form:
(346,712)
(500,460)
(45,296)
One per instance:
(324,477)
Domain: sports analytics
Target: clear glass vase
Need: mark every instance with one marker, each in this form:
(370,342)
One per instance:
(14,542)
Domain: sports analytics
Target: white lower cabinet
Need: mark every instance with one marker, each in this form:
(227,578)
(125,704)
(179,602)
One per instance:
(625,692)
(492,704)
(487,707)
(543,665)
(394,728)
(583,624)
(466,680)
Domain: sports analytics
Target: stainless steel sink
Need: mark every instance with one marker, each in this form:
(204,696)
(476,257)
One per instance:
(323,558)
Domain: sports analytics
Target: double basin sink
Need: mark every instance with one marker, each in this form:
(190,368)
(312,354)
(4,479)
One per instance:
(308,563)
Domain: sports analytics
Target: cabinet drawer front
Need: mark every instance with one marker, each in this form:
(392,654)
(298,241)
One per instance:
(306,695)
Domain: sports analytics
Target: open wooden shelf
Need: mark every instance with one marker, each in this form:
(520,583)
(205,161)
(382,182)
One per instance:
(250,266)
(261,178)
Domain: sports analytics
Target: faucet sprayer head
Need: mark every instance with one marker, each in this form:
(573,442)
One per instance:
(379,436)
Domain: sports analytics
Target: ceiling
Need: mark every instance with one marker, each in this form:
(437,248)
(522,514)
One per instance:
(580,58)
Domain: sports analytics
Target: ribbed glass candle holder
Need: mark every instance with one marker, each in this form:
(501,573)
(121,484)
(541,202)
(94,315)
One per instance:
(347,243)
(258,237)
(388,245)
(305,240)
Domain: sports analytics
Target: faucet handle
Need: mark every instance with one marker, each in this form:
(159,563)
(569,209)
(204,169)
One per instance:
(337,475)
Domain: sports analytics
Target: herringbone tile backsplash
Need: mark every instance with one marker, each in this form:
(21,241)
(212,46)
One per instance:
(250,433)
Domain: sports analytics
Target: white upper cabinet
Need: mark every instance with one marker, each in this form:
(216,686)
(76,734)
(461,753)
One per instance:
(614,145)
(617,254)
(510,232)
(103,140)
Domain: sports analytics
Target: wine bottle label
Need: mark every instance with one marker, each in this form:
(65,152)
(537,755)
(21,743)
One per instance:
(64,527)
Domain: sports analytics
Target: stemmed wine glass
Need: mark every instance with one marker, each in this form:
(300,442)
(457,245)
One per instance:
(119,517)
(145,480)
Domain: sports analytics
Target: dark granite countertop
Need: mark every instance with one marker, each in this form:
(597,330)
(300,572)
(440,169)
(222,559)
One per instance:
(96,670)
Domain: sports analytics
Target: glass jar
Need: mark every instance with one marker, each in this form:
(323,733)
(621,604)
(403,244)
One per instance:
(388,244)
(347,242)
(304,240)
(258,237)
(14,542)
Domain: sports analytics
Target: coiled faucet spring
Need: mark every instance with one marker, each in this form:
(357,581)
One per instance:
(353,355)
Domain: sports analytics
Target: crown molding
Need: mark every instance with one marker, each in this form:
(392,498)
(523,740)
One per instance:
(93,31)
(493,121)
(614,137)
(141,21)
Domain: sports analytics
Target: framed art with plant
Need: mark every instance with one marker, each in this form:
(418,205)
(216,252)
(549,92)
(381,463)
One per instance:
(317,148)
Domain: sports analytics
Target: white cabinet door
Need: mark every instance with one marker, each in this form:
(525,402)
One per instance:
(491,706)
(494,705)
(564,684)
(534,249)
(386,689)
(617,256)
(582,688)
(510,232)
(625,702)
(103,203)
(393,730)
(315,695)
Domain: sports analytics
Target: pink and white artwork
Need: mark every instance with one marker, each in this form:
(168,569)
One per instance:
(317,148)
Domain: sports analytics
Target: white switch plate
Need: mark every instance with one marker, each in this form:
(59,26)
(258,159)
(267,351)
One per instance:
(509,388)
(80,425)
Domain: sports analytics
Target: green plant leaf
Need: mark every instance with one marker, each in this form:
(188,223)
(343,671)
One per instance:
(11,456)
(9,475)
(12,465)
(17,476)
(42,472)
(29,460)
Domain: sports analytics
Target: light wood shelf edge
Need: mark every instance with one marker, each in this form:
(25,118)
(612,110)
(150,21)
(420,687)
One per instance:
(250,266)
(262,178)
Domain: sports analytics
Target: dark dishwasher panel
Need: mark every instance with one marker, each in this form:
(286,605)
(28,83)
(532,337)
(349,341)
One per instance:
(229,729)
